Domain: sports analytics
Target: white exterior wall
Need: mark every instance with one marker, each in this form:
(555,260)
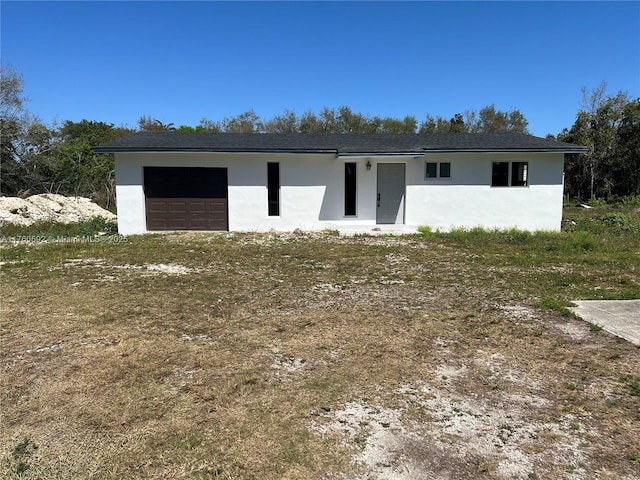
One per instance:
(467,199)
(312,191)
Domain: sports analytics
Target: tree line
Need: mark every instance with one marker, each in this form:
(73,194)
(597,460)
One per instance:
(59,158)
(345,120)
(610,126)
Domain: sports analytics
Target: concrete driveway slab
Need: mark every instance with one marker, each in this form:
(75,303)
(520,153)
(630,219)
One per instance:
(619,317)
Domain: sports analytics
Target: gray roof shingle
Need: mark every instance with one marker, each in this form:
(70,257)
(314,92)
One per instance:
(385,143)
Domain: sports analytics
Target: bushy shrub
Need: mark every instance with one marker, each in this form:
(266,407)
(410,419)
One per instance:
(619,221)
(585,241)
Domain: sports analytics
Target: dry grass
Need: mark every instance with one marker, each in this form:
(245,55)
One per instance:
(316,356)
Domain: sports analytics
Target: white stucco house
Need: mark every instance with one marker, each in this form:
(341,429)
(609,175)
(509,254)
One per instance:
(261,182)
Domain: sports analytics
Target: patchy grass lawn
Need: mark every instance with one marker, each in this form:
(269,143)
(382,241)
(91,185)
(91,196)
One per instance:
(317,356)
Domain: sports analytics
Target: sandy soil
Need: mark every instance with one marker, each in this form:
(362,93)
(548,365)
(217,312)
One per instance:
(49,207)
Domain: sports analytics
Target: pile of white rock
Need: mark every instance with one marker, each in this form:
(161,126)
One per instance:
(49,207)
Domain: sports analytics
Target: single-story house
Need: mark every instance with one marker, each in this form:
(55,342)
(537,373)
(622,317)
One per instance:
(282,182)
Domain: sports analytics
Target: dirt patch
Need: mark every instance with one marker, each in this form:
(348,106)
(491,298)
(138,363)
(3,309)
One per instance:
(49,207)
(111,273)
(501,437)
(574,329)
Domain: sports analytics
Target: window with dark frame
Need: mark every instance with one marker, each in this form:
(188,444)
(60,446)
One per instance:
(500,174)
(510,174)
(519,174)
(437,170)
(273,189)
(349,189)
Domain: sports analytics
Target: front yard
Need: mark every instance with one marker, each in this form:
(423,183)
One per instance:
(242,356)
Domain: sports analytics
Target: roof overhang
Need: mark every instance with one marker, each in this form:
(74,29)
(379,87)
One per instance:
(339,154)
(350,156)
(509,150)
(209,150)
(340,145)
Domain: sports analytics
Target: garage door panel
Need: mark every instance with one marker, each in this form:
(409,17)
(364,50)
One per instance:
(197,207)
(156,206)
(186,198)
(177,207)
(187,214)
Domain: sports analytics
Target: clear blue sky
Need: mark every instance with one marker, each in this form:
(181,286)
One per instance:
(181,61)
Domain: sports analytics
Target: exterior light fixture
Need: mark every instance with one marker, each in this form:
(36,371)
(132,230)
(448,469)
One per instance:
(368,165)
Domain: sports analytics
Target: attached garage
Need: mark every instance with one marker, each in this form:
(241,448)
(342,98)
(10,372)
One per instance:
(186,198)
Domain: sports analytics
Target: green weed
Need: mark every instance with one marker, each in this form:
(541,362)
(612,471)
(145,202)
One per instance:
(425,230)
(94,226)
(619,221)
(633,384)
(21,454)
(595,328)
(585,241)
(209,473)
(557,304)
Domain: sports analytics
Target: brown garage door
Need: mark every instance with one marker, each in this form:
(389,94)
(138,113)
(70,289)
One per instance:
(185,198)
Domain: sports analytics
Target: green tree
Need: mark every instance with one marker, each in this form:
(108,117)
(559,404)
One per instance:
(597,126)
(150,124)
(26,143)
(328,118)
(310,123)
(348,121)
(457,124)
(39,148)
(10,168)
(408,124)
(288,122)
(73,168)
(490,120)
(14,120)
(247,122)
(208,126)
(433,124)
(627,167)
(440,124)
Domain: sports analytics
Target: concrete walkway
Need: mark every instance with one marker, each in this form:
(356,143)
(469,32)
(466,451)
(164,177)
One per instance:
(350,230)
(619,317)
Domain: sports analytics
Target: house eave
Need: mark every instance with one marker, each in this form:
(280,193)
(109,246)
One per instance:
(209,150)
(356,155)
(338,154)
(507,150)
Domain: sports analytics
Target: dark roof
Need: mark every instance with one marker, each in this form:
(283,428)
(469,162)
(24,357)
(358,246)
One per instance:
(385,143)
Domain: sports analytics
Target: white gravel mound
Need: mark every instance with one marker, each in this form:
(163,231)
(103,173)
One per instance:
(49,207)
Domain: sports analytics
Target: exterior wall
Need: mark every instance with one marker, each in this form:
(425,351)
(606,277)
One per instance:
(312,191)
(467,199)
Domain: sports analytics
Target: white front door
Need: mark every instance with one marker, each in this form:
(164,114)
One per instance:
(390,194)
